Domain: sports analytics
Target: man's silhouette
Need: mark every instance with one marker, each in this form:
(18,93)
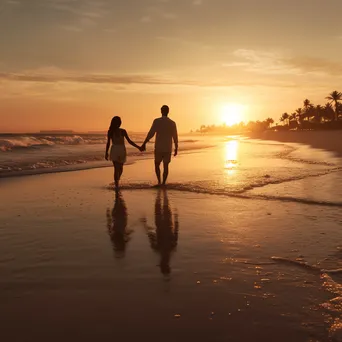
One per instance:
(165,130)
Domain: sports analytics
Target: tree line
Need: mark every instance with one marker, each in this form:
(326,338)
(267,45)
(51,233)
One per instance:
(309,116)
(329,112)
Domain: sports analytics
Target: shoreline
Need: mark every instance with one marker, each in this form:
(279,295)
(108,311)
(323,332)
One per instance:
(90,165)
(325,140)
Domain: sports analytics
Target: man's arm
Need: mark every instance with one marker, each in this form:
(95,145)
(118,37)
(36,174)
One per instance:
(150,134)
(175,139)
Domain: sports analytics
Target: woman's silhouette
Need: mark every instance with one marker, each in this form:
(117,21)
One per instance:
(116,137)
(164,238)
(117,226)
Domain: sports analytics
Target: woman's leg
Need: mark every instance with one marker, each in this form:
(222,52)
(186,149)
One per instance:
(116,173)
(120,170)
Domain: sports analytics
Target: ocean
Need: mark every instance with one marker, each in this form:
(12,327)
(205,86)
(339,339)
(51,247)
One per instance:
(244,165)
(28,154)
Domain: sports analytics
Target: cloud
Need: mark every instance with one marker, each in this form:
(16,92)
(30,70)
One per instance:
(146,19)
(260,62)
(55,76)
(110,30)
(161,11)
(9,5)
(71,28)
(276,63)
(13,2)
(81,13)
(168,15)
(318,66)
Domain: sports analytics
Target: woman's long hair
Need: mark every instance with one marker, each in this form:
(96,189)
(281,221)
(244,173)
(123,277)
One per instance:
(114,125)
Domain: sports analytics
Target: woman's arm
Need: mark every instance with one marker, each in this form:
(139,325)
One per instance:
(130,141)
(107,146)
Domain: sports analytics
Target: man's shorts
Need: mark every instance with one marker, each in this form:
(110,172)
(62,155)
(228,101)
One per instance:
(164,157)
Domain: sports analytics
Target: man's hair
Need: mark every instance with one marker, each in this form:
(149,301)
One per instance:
(165,110)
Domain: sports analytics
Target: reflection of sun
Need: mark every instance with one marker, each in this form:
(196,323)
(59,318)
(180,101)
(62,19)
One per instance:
(232,113)
(231,155)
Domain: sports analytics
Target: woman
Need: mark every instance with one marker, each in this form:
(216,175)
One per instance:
(116,136)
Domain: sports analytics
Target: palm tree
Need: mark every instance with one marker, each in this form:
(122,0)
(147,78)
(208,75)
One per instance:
(293,117)
(339,108)
(269,122)
(334,97)
(293,120)
(308,109)
(307,104)
(329,113)
(299,114)
(318,113)
(284,117)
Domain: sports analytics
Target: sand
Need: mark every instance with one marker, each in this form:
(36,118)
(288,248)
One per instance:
(79,263)
(326,140)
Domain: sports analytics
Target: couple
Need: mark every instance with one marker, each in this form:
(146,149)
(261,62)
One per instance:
(165,130)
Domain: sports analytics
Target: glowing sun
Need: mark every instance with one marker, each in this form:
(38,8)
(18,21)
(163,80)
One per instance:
(232,113)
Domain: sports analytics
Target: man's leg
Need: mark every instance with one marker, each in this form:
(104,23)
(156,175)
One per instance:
(157,168)
(158,158)
(166,162)
(166,171)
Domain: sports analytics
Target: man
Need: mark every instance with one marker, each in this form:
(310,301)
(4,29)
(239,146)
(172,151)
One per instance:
(166,131)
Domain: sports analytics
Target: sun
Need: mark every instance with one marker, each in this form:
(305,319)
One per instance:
(232,113)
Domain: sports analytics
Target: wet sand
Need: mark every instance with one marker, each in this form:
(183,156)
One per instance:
(326,140)
(78,262)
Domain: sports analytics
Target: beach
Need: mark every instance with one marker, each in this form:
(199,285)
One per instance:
(243,245)
(326,140)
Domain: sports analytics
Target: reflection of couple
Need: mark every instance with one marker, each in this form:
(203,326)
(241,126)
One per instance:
(165,130)
(163,238)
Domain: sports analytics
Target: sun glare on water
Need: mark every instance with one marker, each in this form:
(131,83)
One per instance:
(232,113)
(231,156)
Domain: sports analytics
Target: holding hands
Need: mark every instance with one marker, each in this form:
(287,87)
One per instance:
(142,148)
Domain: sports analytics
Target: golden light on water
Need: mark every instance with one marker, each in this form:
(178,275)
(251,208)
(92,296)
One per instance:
(231,156)
(232,113)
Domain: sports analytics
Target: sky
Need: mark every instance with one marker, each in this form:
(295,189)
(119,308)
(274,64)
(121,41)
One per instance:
(73,64)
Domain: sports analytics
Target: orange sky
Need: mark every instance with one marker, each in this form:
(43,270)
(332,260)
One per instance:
(74,64)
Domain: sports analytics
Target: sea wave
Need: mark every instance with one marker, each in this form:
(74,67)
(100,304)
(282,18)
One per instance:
(70,159)
(19,142)
(60,164)
(11,143)
(206,189)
